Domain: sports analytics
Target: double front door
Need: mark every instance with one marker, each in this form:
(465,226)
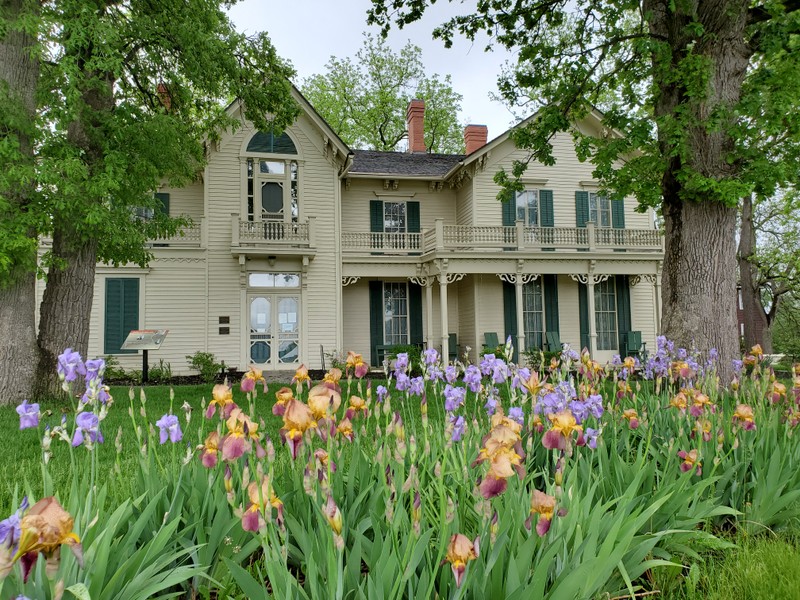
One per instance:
(274,329)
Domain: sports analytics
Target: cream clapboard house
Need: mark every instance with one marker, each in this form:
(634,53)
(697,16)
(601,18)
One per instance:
(300,245)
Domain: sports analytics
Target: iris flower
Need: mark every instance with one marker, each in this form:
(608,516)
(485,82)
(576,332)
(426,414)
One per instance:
(632,417)
(28,415)
(744,416)
(210,449)
(235,442)
(690,461)
(679,401)
(460,551)
(543,505)
(87,428)
(70,365)
(262,498)
(296,421)
(323,401)
(282,396)
(333,376)
(776,392)
(301,377)
(357,364)
(170,429)
(221,396)
(357,405)
(44,528)
(563,424)
(345,429)
(251,378)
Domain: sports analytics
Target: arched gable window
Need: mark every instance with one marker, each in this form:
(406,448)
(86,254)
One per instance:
(272,181)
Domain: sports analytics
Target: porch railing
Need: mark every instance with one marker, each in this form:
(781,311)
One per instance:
(190,236)
(273,233)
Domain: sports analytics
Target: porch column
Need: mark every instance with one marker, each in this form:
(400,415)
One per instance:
(443,316)
(590,281)
(520,315)
(657,288)
(429,312)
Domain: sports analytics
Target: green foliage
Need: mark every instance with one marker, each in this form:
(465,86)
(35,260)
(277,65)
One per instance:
(539,359)
(414,356)
(162,372)
(206,364)
(365,100)
(114,371)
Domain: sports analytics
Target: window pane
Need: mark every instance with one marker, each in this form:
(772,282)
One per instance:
(533,314)
(273,167)
(395,330)
(606,315)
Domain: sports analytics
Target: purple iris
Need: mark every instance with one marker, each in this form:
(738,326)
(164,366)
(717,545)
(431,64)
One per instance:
(435,373)
(458,427)
(170,429)
(499,372)
(381,392)
(592,406)
(450,373)
(95,369)
(487,364)
(10,528)
(472,377)
(591,437)
(417,386)
(568,353)
(737,365)
(453,397)
(431,356)
(88,424)
(520,377)
(70,365)
(401,362)
(402,381)
(515,414)
(491,405)
(28,415)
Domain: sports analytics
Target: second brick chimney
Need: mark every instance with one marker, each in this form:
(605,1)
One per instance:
(475,137)
(415,119)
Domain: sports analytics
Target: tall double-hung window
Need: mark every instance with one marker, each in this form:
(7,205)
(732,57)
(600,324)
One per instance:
(605,309)
(599,210)
(527,207)
(395,313)
(533,314)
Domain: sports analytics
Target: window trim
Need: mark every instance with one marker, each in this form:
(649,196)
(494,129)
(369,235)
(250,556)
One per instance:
(600,289)
(407,340)
(529,334)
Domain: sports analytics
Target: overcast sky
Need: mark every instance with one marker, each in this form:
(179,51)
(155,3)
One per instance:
(309,32)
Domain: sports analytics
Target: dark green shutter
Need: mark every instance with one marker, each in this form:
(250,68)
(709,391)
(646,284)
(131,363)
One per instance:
(415,313)
(375,319)
(618,222)
(162,204)
(412,213)
(550,283)
(623,309)
(122,313)
(510,311)
(581,208)
(583,314)
(618,213)
(376,222)
(546,215)
(509,212)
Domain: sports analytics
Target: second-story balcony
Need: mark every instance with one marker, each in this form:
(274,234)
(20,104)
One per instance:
(457,238)
(190,236)
(272,237)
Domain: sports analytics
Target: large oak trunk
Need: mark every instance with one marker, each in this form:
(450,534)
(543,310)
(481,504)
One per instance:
(66,308)
(699,275)
(19,75)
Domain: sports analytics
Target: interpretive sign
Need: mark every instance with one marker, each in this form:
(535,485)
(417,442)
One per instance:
(144,340)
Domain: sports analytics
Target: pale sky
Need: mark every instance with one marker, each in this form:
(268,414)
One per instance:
(309,32)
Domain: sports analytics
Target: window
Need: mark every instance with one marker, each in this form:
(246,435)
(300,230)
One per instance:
(395,313)
(272,190)
(394,217)
(527,203)
(605,309)
(274,280)
(599,210)
(162,207)
(122,313)
(533,314)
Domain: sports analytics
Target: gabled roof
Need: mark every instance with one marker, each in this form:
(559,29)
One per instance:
(375,163)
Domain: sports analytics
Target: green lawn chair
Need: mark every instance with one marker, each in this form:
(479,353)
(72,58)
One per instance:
(554,341)
(634,345)
(490,342)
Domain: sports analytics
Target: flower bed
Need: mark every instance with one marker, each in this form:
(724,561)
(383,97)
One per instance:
(483,480)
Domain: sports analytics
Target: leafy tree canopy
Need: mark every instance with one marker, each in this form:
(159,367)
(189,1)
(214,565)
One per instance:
(365,99)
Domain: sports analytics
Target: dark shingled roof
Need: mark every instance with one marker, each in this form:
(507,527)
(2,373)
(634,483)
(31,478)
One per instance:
(403,163)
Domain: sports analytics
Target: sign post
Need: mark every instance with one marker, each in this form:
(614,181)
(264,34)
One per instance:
(144,340)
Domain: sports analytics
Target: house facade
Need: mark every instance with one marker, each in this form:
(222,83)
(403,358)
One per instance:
(300,247)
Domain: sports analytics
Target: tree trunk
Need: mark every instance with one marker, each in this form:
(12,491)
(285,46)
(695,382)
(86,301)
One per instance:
(19,77)
(699,274)
(756,320)
(66,309)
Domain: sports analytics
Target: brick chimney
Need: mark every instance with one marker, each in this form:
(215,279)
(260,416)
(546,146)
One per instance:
(164,95)
(475,137)
(415,120)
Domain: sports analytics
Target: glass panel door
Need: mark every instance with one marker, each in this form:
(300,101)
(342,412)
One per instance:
(260,330)
(288,329)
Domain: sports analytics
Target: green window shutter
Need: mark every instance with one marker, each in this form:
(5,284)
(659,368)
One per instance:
(415,313)
(583,314)
(618,213)
(623,309)
(581,208)
(550,283)
(412,213)
(509,212)
(546,216)
(122,313)
(510,311)
(162,204)
(376,222)
(375,319)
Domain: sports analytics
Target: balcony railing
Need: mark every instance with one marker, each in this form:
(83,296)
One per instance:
(518,237)
(190,236)
(272,233)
